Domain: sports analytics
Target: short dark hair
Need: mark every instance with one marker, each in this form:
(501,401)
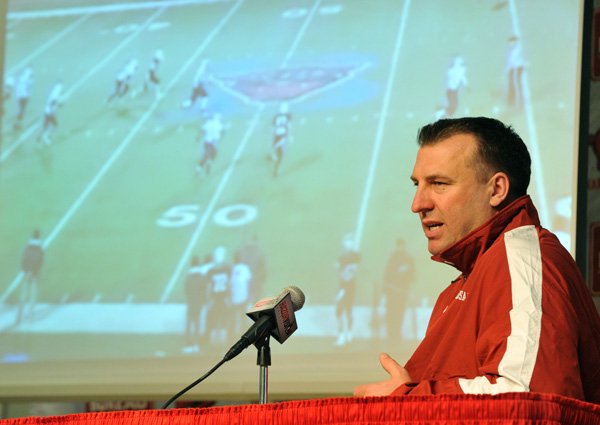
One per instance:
(500,148)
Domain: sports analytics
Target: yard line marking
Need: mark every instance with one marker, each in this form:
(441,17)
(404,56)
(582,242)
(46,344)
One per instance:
(30,57)
(208,211)
(107,8)
(117,152)
(292,50)
(6,152)
(381,127)
(536,161)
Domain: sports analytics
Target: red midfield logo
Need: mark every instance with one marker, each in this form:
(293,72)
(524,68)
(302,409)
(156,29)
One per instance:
(285,84)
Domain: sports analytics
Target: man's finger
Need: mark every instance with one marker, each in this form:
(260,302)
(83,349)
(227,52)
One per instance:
(390,365)
(359,391)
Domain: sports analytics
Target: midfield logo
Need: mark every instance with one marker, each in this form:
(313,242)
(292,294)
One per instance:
(286,84)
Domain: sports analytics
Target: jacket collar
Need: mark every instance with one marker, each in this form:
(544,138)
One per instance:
(464,253)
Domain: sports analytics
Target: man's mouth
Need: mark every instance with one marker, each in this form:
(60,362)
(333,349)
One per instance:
(431,227)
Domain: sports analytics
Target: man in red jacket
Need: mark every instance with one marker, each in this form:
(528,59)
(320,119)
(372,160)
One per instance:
(519,317)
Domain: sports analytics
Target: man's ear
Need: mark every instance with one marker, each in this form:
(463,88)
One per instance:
(499,185)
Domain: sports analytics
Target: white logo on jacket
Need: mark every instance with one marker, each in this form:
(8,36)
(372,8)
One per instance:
(461,296)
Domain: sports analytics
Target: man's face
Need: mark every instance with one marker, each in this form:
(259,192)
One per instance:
(451,199)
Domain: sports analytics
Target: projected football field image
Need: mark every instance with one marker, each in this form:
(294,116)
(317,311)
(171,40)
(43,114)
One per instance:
(310,110)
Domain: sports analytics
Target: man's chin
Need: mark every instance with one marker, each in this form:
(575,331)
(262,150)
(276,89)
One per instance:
(434,249)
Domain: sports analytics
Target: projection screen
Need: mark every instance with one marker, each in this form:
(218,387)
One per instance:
(314,108)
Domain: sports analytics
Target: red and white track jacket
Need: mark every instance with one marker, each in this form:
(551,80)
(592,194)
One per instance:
(518,318)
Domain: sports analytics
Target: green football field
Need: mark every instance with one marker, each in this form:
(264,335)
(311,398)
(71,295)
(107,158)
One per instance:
(116,194)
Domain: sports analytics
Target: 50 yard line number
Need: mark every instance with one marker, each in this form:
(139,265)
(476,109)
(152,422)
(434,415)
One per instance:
(235,215)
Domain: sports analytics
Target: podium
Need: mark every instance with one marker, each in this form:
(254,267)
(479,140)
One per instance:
(510,408)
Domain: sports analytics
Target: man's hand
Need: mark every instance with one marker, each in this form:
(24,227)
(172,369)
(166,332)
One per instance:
(398,376)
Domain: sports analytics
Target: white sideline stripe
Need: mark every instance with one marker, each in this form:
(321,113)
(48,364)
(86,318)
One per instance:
(169,319)
(217,194)
(381,127)
(108,8)
(536,161)
(516,367)
(10,149)
(75,206)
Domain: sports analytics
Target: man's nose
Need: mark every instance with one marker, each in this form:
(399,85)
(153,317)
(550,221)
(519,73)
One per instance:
(421,202)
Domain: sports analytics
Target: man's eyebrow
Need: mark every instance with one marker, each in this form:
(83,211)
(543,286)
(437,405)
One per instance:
(428,177)
(432,177)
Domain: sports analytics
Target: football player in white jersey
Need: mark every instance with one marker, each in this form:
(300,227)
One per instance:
(152,80)
(281,135)
(55,99)
(211,134)
(22,93)
(456,78)
(123,80)
(241,280)
(198,88)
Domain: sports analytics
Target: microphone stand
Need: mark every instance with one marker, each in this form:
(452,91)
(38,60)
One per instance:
(263,359)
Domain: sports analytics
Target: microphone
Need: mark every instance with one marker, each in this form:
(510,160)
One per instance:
(273,316)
